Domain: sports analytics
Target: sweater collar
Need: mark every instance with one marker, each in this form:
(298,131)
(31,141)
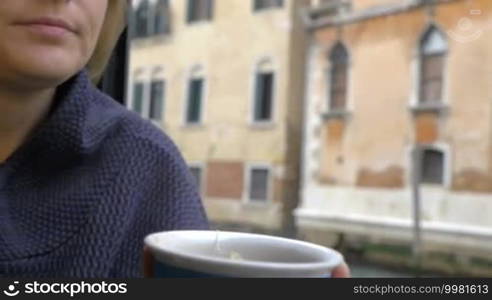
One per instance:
(57,144)
(60,137)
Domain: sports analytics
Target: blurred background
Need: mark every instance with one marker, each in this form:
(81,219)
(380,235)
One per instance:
(362,125)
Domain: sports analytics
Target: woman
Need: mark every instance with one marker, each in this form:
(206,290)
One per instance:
(82,180)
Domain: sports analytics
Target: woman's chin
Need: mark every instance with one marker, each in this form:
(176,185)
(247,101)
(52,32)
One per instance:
(48,75)
(56,65)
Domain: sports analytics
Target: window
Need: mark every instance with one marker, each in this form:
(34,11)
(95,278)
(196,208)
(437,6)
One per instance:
(157,98)
(161,22)
(138,97)
(338,78)
(141,19)
(265,4)
(264,93)
(194,105)
(193,115)
(152,18)
(433,50)
(200,10)
(259,184)
(197,173)
(432,167)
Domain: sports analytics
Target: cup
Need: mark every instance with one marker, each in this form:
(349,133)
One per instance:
(201,254)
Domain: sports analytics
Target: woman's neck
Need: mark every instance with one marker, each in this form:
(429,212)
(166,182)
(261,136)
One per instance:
(20,113)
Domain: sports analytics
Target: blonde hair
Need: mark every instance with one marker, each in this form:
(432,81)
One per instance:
(114,25)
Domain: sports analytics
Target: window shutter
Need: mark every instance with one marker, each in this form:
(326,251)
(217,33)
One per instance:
(263,97)
(157,100)
(138,98)
(258,97)
(267,96)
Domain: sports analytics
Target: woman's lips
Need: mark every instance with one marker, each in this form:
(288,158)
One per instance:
(48,27)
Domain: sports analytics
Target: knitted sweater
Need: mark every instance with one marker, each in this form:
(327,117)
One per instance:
(78,198)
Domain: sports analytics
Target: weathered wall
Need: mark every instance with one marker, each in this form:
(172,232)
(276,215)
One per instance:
(376,138)
(357,168)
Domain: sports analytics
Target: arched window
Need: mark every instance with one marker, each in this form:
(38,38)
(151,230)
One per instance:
(339,60)
(142,19)
(433,49)
(161,22)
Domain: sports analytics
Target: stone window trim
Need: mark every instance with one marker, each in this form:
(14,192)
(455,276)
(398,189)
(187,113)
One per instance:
(446,151)
(434,107)
(336,114)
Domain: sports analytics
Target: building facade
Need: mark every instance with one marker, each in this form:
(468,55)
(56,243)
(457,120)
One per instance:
(400,92)
(224,79)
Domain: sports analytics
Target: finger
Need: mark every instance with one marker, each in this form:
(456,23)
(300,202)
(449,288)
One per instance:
(148,263)
(341,271)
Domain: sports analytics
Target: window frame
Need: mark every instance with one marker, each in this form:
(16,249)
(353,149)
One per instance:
(250,167)
(446,150)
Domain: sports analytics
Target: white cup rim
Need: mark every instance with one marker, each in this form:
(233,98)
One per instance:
(250,268)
